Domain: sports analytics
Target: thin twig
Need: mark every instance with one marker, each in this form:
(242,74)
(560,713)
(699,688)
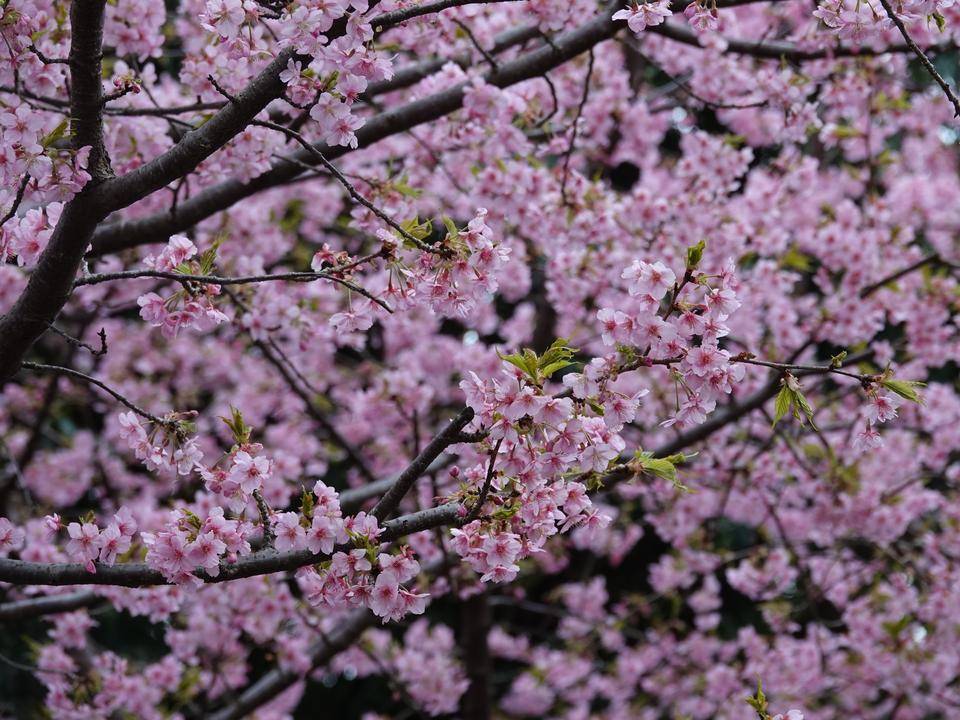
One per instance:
(576,127)
(893,277)
(485,490)
(77,342)
(264,510)
(354,193)
(924,60)
(185,278)
(103,386)
(17,200)
(486,55)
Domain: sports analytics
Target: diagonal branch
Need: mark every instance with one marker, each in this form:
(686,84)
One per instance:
(447,437)
(50,284)
(924,60)
(158,227)
(277,680)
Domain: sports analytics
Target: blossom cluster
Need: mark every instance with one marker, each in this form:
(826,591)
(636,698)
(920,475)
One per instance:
(190,307)
(635,508)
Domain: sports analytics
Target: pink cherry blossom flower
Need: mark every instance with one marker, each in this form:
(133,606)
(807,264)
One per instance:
(641,15)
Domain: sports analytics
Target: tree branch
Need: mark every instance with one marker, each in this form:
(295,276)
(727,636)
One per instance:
(46,605)
(448,436)
(86,84)
(924,60)
(158,227)
(773,50)
(277,680)
(262,562)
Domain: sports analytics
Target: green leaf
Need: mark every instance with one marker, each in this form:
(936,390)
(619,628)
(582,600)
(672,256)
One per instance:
(661,467)
(452,229)
(554,367)
(800,403)
(837,360)
(241,431)
(209,257)
(695,255)
(557,357)
(940,20)
(759,701)
(905,389)
(517,360)
(419,230)
(306,504)
(58,132)
(791,396)
(782,405)
(533,362)
(403,187)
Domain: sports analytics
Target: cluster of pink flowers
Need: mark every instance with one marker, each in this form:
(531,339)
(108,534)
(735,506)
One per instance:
(705,372)
(642,14)
(320,527)
(454,285)
(26,237)
(881,407)
(186,308)
(796,556)
(46,175)
(241,473)
(88,542)
(364,577)
(190,544)
(161,448)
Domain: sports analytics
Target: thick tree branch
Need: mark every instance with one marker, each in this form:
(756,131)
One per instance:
(277,680)
(262,562)
(86,85)
(46,605)
(448,436)
(50,284)
(158,227)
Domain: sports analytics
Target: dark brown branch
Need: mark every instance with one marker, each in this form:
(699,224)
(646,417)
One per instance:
(46,605)
(903,272)
(50,283)
(392,19)
(77,375)
(16,200)
(348,186)
(262,562)
(924,60)
(485,490)
(86,84)
(158,227)
(773,50)
(448,436)
(185,278)
(77,342)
